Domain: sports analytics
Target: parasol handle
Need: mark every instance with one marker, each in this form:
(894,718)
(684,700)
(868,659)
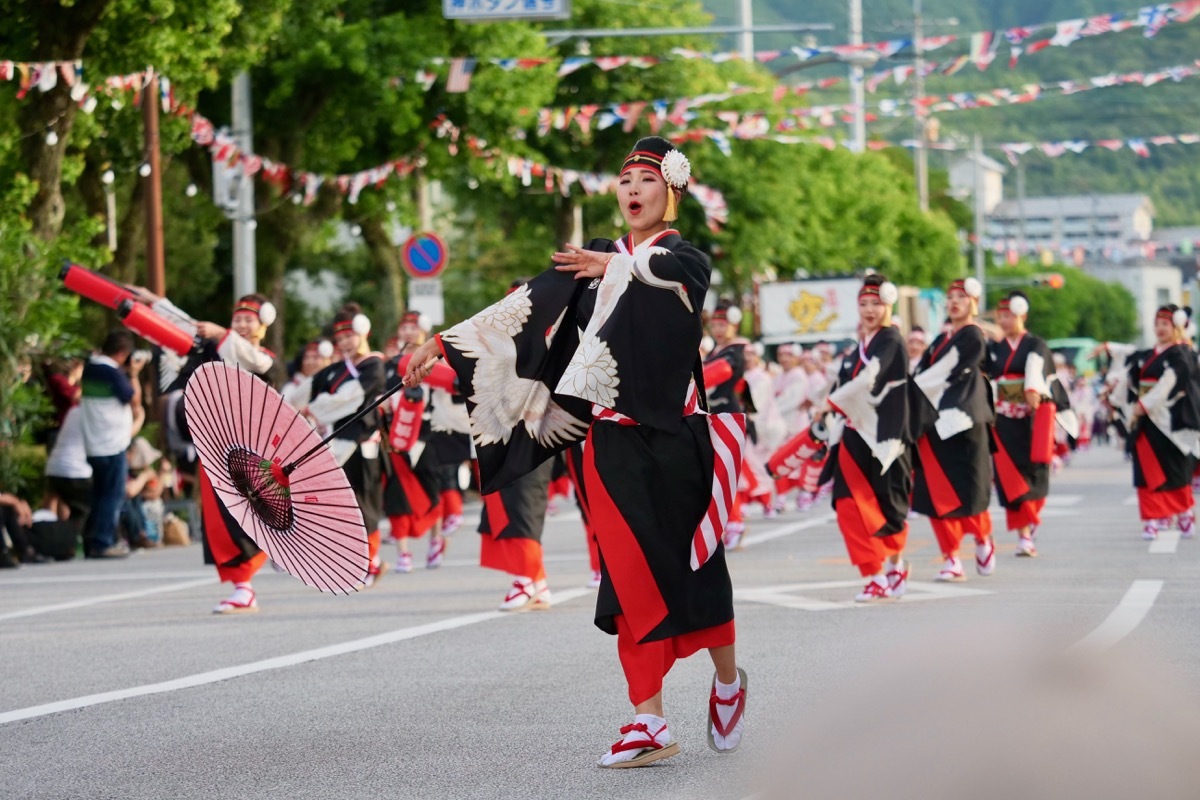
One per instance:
(374,404)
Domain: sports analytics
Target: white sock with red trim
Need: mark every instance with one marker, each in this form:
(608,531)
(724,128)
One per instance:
(656,727)
(726,712)
(243,594)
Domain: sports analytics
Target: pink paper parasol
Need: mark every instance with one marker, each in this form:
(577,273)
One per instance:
(271,470)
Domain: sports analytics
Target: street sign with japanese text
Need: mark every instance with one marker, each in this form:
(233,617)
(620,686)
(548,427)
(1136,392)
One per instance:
(485,10)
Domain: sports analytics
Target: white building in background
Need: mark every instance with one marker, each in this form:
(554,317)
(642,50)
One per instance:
(1152,284)
(1099,223)
(962,180)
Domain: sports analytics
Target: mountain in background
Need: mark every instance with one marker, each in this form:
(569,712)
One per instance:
(1170,176)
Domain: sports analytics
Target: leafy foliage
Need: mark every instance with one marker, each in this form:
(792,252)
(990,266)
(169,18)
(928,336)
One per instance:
(38,320)
(1084,306)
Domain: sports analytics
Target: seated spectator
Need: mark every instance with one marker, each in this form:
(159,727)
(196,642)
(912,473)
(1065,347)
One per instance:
(68,473)
(16,517)
(141,481)
(112,414)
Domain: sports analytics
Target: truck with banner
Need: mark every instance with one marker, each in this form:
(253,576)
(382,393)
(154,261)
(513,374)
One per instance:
(826,310)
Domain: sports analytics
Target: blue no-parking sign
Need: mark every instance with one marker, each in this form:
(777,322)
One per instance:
(424,255)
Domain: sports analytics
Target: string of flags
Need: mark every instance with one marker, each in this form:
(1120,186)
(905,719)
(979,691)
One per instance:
(830,115)
(1013,151)
(306,185)
(716,212)
(983,47)
(755,124)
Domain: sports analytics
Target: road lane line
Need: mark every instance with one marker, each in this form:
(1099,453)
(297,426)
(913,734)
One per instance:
(107,598)
(1128,614)
(754,537)
(279,662)
(108,578)
(1166,543)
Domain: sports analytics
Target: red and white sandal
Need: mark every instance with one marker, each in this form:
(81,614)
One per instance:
(519,596)
(648,743)
(242,601)
(715,725)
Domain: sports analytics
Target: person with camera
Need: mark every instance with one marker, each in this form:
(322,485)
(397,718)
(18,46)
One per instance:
(112,413)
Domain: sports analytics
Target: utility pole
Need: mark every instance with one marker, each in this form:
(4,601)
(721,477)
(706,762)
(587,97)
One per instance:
(151,172)
(857,89)
(1021,205)
(747,34)
(922,159)
(245,270)
(979,219)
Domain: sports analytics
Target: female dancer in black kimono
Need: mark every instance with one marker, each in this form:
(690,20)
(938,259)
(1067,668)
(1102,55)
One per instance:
(535,384)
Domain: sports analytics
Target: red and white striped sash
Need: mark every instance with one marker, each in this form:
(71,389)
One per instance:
(728,435)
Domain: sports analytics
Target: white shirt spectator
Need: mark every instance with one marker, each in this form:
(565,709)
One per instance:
(68,459)
(107,413)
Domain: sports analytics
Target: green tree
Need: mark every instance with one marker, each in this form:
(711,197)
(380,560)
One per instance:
(1084,306)
(37,316)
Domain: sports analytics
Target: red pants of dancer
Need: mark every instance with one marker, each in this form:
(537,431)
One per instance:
(867,551)
(950,532)
(593,549)
(646,664)
(560,487)
(244,572)
(452,504)
(1165,504)
(519,557)
(735,512)
(1025,515)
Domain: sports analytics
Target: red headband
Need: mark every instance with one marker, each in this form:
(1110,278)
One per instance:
(643,159)
(251,307)
(1166,314)
(344,326)
(869,289)
(412,317)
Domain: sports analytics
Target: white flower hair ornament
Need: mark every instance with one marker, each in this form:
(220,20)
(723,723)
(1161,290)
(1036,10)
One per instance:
(733,315)
(973,288)
(1019,306)
(266,313)
(361,325)
(888,293)
(325,348)
(676,169)
(1180,318)
(425,323)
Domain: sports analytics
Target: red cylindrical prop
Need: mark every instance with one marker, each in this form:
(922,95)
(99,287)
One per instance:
(441,377)
(790,459)
(717,372)
(1042,447)
(406,424)
(94,286)
(153,328)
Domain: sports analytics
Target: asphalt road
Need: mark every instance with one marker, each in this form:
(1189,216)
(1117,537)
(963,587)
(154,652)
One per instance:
(1069,675)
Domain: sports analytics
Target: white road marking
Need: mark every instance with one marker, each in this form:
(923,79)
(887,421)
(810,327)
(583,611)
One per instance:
(106,578)
(1166,543)
(784,595)
(279,662)
(107,598)
(1128,614)
(754,537)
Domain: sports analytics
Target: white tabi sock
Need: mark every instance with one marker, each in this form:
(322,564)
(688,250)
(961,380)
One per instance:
(725,713)
(654,725)
(243,593)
